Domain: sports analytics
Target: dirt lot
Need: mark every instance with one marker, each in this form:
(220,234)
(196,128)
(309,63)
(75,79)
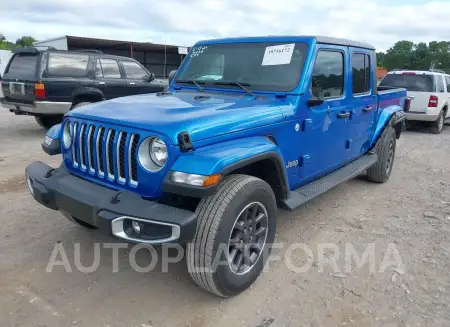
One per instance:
(410,213)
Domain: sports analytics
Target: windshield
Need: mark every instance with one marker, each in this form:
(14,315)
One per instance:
(410,81)
(270,66)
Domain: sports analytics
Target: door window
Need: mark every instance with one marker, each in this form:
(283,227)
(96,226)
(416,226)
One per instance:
(107,68)
(361,73)
(134,70)
(328,75)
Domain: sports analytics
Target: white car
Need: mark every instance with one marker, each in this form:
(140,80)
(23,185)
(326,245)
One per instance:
(429,92)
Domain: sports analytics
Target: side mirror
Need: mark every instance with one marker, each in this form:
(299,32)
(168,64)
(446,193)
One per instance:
(172,75)
(148,78)
(314,102)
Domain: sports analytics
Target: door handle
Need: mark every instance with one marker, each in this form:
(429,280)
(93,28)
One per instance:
(101,83)
(343,115)
(132,83)
(367,109)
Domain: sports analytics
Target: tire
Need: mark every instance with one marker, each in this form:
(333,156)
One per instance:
(219,218)
(79,104)
(48,121)
(438,125)
(71,218)
(381,171)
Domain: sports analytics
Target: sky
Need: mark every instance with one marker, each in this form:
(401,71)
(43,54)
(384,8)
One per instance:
(183,22)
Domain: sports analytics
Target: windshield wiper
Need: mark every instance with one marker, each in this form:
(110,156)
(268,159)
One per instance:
(241,85)
(191,81)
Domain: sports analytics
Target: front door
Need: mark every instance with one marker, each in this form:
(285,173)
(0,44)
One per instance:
(324,126)
(138,79)
(363,102)
(109,79)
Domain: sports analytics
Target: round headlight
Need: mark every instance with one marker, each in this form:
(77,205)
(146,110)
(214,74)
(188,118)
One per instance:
(158,151)
(67,135)
(153,153)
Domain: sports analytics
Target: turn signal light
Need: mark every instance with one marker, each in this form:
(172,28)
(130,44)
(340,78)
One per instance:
(196,180)
(212,180)
(39,91)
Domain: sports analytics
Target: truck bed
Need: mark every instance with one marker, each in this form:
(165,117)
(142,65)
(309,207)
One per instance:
(390,96)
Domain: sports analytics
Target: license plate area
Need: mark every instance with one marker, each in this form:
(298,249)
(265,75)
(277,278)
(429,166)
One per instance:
(17,88)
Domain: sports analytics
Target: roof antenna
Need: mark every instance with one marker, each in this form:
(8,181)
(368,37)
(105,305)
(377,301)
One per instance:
(165,49)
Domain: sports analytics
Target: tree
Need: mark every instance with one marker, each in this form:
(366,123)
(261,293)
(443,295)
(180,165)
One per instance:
(420,56)
(380,58)
(25,41)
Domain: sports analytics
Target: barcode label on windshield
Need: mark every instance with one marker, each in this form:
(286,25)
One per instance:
(278,55)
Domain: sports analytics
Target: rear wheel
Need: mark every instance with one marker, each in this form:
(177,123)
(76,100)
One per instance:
(438,125)
(381,171)
(235,231)
(49,120)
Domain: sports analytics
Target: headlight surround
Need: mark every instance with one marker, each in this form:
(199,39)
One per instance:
(67,135)
(153,153)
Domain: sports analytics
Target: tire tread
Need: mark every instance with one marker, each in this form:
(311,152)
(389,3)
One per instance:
(210,212)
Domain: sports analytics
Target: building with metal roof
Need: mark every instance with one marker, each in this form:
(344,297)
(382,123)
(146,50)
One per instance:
(159,59)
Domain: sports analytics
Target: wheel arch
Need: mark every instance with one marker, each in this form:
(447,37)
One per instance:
(263,166)
(88,94)
(390,116)
(254,156)
(445,109)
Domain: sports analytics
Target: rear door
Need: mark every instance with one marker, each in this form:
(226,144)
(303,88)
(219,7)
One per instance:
(109,79)
(138,79)
(63,73)
(20,76)
(420,86)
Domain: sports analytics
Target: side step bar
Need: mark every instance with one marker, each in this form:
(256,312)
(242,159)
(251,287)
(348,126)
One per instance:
(304,194)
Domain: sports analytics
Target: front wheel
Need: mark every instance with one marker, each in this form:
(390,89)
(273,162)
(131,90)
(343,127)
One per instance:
(381,171)
(235,231)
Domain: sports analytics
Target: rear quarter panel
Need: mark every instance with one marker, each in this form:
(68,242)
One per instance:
(389,102)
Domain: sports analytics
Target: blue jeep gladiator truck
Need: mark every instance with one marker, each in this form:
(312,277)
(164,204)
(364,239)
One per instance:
(247,126)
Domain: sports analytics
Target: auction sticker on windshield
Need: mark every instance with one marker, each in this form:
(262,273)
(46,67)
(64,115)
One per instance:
(278,55)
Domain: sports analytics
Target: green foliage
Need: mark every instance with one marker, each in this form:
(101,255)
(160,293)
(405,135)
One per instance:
(417,56)
(24,41)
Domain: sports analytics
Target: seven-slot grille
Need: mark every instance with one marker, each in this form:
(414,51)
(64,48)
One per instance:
(106,152)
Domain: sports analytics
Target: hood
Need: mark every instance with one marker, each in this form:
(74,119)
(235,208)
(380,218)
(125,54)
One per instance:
(202,115)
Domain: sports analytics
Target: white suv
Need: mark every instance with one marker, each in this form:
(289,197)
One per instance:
(429,92)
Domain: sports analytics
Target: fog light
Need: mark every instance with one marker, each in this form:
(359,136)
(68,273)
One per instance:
(30,184)
(136,227)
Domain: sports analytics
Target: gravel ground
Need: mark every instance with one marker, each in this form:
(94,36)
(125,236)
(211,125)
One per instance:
(410,213)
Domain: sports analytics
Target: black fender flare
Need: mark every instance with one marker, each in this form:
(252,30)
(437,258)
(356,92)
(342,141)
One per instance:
(86,91)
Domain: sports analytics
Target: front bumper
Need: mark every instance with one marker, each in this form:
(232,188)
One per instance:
(37,108)
(109,210)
